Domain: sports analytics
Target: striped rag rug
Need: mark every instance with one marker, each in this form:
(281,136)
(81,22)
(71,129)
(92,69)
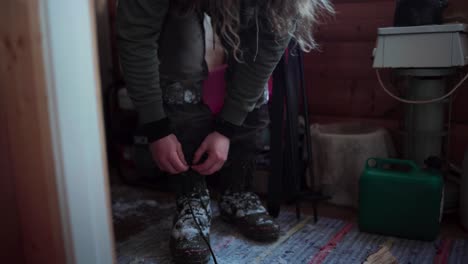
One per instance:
(301,241)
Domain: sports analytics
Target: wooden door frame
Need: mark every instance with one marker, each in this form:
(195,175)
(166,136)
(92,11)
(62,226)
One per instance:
(53,147)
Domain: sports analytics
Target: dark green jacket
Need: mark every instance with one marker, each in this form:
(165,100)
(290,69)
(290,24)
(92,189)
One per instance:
(139,24)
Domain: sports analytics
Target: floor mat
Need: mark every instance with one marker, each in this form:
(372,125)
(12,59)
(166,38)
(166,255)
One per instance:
(303,241)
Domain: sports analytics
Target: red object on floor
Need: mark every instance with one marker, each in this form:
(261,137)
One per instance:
(328,248)
(443,253)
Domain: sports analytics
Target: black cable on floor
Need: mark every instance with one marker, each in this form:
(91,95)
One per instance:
(201,232)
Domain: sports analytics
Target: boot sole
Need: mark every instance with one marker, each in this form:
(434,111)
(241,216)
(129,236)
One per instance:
(188,258)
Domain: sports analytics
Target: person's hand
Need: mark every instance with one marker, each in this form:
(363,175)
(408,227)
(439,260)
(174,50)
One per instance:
(168,155)
(216,146)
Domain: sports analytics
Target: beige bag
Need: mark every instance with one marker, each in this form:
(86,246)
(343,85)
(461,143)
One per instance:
(339,154)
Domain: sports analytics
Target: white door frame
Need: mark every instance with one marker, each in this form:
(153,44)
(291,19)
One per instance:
(75,107)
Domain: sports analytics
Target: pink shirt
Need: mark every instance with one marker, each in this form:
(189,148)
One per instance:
(214,89)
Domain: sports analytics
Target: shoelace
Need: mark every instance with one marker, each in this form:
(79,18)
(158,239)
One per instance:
(197,207)
(199,200)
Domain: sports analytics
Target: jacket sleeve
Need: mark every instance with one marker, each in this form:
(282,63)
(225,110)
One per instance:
(262,50)
(139,23)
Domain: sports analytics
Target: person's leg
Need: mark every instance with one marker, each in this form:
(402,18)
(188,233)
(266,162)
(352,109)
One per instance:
(238,171)
(239,205)
(191,124)
(182,71)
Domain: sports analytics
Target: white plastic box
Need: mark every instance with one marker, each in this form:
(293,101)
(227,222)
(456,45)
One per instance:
(434,46)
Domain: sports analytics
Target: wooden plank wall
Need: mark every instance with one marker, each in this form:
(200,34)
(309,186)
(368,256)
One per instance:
(30,222)
(341,83)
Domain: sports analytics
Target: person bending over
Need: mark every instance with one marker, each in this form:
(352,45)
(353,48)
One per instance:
(162,53)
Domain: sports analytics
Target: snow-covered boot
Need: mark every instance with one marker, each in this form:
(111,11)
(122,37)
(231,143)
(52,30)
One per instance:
(191,230)
(245,210)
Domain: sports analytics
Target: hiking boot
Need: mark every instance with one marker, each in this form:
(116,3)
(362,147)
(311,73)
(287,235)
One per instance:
(245,210)
(188,244)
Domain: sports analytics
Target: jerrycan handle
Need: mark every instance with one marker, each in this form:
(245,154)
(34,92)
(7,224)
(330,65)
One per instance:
(379,163)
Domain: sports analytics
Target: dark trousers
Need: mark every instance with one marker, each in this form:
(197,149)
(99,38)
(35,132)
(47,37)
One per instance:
(183,68)
(193,122)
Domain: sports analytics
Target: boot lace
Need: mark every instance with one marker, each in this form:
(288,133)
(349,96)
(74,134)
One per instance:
(195,208)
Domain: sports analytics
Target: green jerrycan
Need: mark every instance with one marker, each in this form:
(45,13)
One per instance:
(397,198)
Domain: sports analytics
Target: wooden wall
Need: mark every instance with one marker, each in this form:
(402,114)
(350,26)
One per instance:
(340,79)
(30,227)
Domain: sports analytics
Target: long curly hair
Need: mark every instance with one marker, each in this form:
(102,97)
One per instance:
(297,18)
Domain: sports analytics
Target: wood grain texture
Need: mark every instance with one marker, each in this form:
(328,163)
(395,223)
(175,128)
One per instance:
(457,11)
(10,231)
(340,79)
(351,98)
(26,131)
(341,60)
